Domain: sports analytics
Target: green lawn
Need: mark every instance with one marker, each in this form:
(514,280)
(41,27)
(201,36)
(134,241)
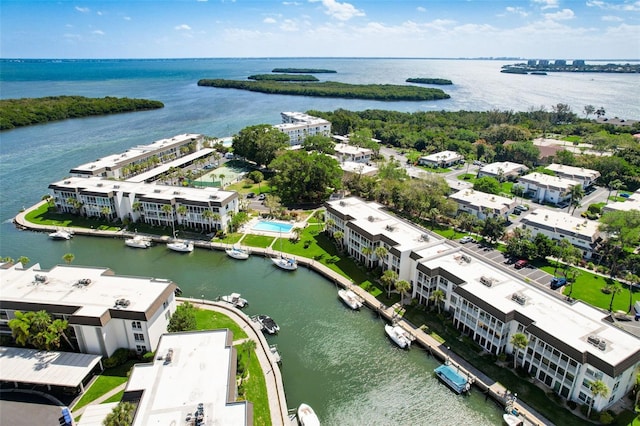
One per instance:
(108,380)
(257,240)
(210,320)
(115,398)
(48,216)
(255,387)
(230,238)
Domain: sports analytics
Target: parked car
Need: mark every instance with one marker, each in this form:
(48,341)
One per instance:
(467,239)
(262,197)
(521,208)
(557,282)
(251,195)
(521,263)
(625,195)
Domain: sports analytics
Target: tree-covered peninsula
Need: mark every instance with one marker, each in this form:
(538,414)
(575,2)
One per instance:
(331,89)
(283,77)
(304,70)
(441,81)
(27,111)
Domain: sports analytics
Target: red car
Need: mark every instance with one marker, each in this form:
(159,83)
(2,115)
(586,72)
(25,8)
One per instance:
(521,264)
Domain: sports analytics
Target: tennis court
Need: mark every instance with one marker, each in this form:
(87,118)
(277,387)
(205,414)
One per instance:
(230,172)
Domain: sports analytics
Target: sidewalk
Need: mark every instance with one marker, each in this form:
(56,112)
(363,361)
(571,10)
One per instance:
(100,400)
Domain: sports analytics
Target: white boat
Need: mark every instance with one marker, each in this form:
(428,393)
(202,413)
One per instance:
(512,420)
(237,253)
(267,324)
(451,377)
(276,355)
(60,235)
(138,242)
(398,335)
(286,263)
(350,299)
(306,416)
(181,246)
(235,300)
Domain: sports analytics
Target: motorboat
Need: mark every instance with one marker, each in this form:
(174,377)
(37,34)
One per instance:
(452,378)
(276,355)
(267,324)
(398,335)
(237,253)
(286,263)
(138,242)
(235,300)
(181,246)
(511,420)
(350,299)
(306,416)
(60,235)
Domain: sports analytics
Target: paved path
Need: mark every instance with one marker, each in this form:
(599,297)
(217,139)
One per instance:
(99,400)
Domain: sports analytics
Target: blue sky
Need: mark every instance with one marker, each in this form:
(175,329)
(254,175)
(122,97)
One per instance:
(587,29)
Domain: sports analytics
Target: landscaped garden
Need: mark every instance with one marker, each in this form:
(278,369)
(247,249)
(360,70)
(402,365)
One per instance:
(47,215)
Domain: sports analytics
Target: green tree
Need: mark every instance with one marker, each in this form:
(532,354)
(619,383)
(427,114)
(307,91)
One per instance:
(167,209)
(623,230)
(577,194)
(588,110)
(488,185)
(259,143)
(615,289)
(493,228)
(519,342)
(305,177)
(389,278)
(249,346)
(319,143)
(402,287)
(68,258)
(121,415)
(367,252)
(381,253)
(614,185)
(37,329)
(338,236)
(437,297)
(598,389)
(24,260)
(183,319)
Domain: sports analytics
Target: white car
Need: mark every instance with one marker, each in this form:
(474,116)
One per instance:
(467,239)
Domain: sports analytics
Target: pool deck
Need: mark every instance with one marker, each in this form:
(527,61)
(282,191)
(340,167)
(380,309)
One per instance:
(247,228)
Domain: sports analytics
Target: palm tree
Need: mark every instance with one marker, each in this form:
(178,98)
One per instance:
(598,389)
(296,233)
(48,199)
(167,209)
(519,342)
(208,216)
(402,286)
(106,211)
(137,206)
(614,289)
(221,176)
(437,297)
(121,415)
(433,216)
(367,251)
(24,260)
(329,224)
(389,278)
(249,346)
(518,191)
(577,194)
(614,185)
(182,211)
(20,325)
(338,235)
(68,258)
(381,253)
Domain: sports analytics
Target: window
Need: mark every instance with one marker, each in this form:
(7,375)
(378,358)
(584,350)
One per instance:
(141,348)
(136,325)
(139,337)
(3,315)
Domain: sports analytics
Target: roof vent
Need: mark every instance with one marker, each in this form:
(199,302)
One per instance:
(371,218)
(122,303)
(116,186)
(425,237)
(67,182)
(84,281)
(488,281)
(176,192)
(390,228)
(40,279)
(342,203)
(519,298)
(157,191)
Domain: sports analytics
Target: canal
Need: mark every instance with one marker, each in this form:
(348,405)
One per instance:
(337,360)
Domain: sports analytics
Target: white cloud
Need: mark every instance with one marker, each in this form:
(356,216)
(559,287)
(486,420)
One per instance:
(98,32)
(561,15)
(627,6)
(83,9)
(340,11)
(269,21)
(289,25)
(99,13)
(547,4)
(421,9)
(127,18)
(610,18)
(516,11)
(183,27)
(291,3)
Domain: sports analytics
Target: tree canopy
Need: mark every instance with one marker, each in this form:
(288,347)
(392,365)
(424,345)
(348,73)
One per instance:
(259,143)
(305,176)
(38,330)
(183,319)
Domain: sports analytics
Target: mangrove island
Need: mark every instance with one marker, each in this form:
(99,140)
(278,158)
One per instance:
(283,77)
(441,81)
(304,70)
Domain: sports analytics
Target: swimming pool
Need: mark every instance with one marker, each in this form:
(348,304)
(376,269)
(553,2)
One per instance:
(265,225)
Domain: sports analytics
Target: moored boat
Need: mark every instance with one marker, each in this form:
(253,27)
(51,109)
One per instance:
(60,235)
(306,416)
(267,324)
(235,300)
(449,376)
(398,335)
(138,242)
(286,263)
(181,246)
(276,355)
(237,253)
(350,299)
(512,420)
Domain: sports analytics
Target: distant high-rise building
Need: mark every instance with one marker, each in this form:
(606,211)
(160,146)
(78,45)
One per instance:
(578,62)
(531,62)
(543,62)
(560,62)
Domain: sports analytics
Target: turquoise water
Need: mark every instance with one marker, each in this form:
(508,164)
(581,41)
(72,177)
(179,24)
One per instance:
(265,225)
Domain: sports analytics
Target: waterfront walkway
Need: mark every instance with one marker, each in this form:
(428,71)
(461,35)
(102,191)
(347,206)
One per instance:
(278,407)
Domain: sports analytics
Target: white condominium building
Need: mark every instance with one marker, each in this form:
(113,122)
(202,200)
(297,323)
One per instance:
(298,126)
(140,158)
(483,205)
(105,311)
(547,188)
(586,177)
(146,202)
(504,170)
(441,159)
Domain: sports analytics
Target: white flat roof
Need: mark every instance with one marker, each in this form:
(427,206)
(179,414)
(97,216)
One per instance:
(442,156)
(577,321)
(573,171)
(542,179)
(482,199)
(45,367)
(371,217)
(198,373)
(355,167)
(94,299)
(557,220)
(507,167)
(158,146)
(347,149)
(162,168)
